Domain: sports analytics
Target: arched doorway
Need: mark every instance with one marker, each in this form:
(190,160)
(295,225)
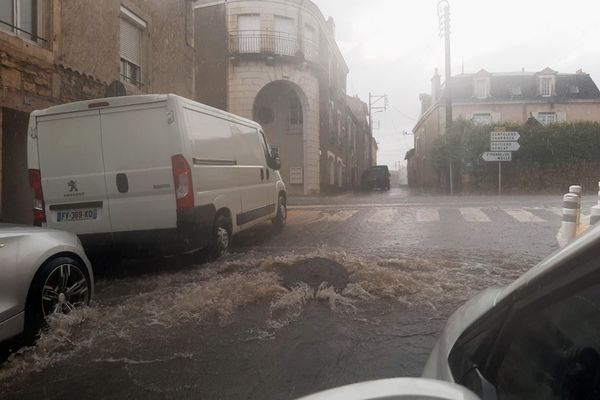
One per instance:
(280,108)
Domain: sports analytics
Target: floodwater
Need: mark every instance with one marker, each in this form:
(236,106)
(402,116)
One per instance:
(252,326)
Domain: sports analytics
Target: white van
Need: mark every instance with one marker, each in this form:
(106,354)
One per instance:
(152,172)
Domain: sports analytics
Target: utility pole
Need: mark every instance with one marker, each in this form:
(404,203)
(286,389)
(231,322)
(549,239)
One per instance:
(444,16)
(375,106)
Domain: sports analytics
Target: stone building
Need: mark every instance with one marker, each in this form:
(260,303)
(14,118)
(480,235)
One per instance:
(57,51)
(277,62)
(495,98)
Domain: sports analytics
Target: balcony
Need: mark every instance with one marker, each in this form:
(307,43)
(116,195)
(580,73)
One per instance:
(273,44)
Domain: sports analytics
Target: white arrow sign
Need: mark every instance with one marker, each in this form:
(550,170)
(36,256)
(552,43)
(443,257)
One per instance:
(505,146)
(505,136)
(497,156)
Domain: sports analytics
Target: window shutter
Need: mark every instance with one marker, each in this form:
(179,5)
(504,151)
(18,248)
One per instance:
(496,117)
(131,38)
(561,116)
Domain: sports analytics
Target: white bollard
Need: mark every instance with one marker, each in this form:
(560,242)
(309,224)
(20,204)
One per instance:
(568,228)
(577,190)
(595,218)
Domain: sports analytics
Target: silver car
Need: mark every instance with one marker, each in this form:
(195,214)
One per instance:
(42,271)
(538,338)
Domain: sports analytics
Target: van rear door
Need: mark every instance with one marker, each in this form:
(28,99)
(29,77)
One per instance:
(137,156)
(72,172)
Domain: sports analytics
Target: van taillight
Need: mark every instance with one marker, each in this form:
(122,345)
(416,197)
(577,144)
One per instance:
(35,180)
(182,176)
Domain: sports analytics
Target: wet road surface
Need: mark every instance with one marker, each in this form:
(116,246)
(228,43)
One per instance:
(349,292)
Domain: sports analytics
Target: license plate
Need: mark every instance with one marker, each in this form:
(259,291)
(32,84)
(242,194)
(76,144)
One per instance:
(90,214)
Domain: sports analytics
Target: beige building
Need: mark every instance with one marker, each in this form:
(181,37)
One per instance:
(57,51)
(277,62)
(496,98)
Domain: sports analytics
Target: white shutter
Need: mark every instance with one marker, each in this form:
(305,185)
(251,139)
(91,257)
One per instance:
(131,39)
(561,116)
(496,117)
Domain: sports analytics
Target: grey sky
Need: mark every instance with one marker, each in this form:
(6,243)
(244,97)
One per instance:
(392,46)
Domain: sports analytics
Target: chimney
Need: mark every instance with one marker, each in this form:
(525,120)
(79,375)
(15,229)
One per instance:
(435,87)
(331,24)
(425,102)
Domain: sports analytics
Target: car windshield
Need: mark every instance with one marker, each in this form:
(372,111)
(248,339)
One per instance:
(264,199)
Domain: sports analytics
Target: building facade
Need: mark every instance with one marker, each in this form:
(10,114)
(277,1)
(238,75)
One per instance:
(58,51)
(496,98)
(277,62)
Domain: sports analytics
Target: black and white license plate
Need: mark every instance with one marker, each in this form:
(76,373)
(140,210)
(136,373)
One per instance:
(90,214)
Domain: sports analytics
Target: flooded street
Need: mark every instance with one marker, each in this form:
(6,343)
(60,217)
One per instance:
(276,319)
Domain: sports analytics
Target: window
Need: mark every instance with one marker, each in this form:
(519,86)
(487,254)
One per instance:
(131,47)
(482,88)
(555,353)
(296,117)
(22,17)
(310,43)
(249,35)
(546,118)
(482,118)
(546,87)
(515,91)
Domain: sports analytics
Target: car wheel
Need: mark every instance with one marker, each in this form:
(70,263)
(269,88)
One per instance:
(221,236)
(281,218)
(59,287)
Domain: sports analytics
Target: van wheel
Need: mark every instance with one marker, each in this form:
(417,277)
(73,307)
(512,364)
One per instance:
(221,236)
(281,217)
(59,287)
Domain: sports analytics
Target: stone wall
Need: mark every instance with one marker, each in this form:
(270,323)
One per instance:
(27,85)
(534,178)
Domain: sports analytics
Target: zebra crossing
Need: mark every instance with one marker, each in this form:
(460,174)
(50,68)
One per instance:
(428,215)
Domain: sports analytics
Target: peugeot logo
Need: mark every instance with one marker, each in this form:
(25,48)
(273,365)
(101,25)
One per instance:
(72,186)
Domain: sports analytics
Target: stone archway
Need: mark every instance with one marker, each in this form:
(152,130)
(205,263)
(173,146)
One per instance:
(280,107)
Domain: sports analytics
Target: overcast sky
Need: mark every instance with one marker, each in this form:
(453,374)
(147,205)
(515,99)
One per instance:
(392,47)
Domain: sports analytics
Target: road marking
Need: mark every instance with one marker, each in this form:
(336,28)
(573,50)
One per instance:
(338,216)
(303,217)
(474,215)
(428,215)
(523,216)
(382,216)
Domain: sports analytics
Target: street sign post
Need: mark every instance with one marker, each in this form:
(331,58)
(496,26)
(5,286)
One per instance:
(502,144)
(505,146)
(505,136)
(497,156)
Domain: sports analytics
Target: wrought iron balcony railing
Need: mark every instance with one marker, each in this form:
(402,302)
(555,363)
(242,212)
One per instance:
(275,43)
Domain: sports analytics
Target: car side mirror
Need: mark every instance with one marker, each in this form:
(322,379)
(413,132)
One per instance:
(398,389)
(480,385)
(275,163)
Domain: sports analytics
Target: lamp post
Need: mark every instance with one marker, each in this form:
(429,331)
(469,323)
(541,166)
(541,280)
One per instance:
(443,9)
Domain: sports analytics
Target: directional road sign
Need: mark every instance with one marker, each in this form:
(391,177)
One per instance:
(497,156)
(505,136)
(505,146)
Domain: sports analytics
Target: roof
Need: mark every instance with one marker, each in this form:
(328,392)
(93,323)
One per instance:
(359,108)
(523,86)
(122,101)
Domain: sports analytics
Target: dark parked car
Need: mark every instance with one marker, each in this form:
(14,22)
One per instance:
(376,178)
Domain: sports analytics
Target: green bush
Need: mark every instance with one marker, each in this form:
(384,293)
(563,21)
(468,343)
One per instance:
(554,144)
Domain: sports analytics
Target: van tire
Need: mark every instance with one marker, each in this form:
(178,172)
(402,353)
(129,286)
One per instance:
(36,310)
(221,237)
(281,218)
